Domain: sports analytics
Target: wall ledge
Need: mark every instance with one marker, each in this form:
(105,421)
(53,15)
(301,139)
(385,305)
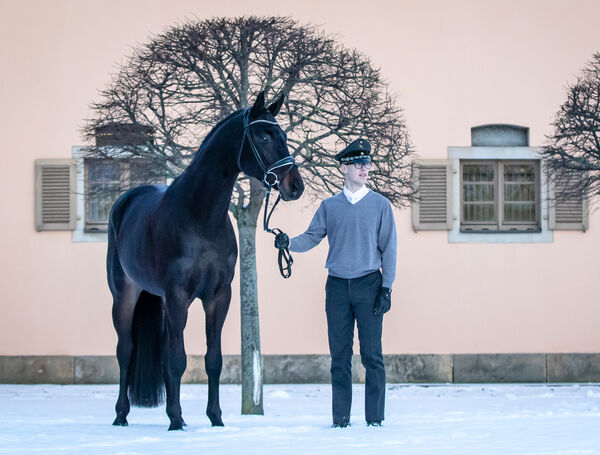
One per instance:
(314,369)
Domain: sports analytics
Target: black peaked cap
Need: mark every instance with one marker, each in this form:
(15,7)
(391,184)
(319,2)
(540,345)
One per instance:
(358,150)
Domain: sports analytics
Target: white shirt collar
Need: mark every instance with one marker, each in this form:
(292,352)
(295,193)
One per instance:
(353,198)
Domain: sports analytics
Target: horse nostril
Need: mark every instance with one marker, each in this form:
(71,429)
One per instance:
(297,189)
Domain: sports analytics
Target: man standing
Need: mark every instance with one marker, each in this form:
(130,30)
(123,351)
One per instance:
(360,228)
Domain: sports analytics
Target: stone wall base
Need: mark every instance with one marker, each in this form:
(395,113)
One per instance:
(314,369)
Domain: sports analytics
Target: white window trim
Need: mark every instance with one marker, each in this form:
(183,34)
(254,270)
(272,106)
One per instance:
(79,234)
(456,154)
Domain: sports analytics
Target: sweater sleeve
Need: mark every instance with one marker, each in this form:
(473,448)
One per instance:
(387,246)
(313,235)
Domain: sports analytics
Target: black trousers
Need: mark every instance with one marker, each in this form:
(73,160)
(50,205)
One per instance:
(347,301)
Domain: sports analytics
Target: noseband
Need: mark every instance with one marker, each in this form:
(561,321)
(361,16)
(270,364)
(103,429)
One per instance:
(270,180)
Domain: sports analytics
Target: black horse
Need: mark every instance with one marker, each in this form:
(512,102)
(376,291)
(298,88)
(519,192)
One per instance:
(170,245)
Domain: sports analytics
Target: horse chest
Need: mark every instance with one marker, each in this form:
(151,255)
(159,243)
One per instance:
(204,266)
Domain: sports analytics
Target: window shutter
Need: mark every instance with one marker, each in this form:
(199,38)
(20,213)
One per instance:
(567,213)
(431,211)
(54,195)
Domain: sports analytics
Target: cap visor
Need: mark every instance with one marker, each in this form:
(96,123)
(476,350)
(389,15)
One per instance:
(361,159)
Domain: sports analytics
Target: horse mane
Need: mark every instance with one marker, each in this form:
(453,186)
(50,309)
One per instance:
(210,134)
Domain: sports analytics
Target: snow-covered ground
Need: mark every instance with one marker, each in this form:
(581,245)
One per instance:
(440,419)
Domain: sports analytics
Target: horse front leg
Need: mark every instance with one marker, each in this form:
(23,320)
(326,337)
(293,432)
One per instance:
(173,355)
(216,310)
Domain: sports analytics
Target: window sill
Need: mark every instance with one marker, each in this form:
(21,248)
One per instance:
(457,236)
(79,235)
(467,230)
(95,231)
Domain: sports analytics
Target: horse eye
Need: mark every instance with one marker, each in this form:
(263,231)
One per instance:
(265,139)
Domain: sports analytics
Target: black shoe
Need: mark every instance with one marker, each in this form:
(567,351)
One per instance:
(340,425)
(374,423)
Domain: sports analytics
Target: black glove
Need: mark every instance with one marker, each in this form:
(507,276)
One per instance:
(282,241)
(383,302)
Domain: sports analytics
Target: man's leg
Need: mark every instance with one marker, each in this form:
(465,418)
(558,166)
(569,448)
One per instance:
(364,291)
(340,330)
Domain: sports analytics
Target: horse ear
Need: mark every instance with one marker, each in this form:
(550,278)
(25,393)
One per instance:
(259,105)
(276,106)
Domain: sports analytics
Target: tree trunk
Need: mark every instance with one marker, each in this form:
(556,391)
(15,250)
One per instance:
(252,372)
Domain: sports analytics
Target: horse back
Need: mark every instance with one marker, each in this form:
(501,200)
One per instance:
(143,198)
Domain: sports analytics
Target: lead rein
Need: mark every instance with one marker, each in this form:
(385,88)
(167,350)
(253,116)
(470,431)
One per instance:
(284,253)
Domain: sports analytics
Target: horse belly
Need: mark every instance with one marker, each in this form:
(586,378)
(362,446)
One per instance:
(138,268)
(208,271)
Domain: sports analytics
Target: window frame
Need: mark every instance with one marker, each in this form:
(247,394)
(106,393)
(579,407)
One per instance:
(100,227)
(515,226)
(455,154)
(499,224)
(479,226)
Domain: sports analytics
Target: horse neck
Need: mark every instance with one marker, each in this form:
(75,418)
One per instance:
(206,185)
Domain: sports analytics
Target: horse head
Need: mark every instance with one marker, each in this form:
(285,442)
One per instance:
(265,154)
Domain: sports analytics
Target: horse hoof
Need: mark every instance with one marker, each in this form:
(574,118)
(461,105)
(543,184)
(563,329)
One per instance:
(120,422)
(217,423)
(176,426)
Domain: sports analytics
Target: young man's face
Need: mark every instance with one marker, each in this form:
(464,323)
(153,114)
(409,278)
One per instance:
(356,177)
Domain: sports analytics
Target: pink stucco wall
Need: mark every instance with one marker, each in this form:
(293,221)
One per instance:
(453,64)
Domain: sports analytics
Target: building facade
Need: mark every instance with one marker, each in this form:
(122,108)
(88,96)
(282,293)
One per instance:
(493,277)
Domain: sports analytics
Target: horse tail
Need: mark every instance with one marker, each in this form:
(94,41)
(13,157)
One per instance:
(145,380)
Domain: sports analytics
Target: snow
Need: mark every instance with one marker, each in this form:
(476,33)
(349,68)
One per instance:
(420,419)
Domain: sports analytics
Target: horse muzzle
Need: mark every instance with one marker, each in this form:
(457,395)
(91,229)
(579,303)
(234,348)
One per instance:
(291,186)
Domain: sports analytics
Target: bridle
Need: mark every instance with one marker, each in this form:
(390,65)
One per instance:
(270,180)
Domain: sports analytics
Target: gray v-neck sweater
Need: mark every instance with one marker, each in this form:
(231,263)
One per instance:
(362,236)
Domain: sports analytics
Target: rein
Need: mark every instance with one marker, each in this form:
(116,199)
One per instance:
(284,255)
(270,180)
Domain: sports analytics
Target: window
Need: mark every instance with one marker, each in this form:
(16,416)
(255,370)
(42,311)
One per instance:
(103,184)
(105,181)
(500,196)
(495,191)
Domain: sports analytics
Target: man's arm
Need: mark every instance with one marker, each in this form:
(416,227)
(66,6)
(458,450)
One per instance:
(387,246)
(313,235)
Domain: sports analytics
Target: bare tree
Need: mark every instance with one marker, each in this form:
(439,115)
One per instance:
(573,149)
(186,79)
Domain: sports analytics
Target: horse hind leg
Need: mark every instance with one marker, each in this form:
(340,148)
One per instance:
(123,310)
(216,312)
(125,295)
(138,321)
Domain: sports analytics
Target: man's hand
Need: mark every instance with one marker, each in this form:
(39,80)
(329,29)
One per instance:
(282,241)
(383,302)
